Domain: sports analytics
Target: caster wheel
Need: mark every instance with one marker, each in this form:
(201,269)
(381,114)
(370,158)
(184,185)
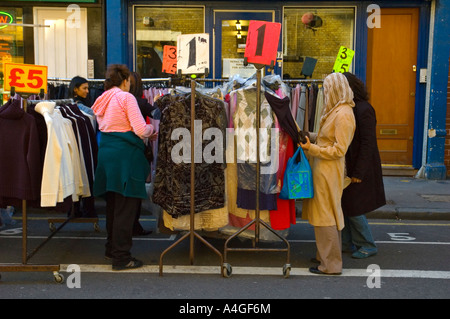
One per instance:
(286,270)
(96,227)
(58,277)
(226,270)
(52,227)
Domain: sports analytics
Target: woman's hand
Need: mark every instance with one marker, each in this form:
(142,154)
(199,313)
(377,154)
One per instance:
(153,137)
(356,180)
(307,145)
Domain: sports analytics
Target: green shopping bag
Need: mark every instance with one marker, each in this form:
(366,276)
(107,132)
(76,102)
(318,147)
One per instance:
(297,180)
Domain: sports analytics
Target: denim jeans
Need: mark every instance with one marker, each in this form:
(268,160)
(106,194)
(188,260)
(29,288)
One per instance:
(5,216)
(357,233)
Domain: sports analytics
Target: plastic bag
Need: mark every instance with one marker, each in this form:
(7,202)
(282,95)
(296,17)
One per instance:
(298,181)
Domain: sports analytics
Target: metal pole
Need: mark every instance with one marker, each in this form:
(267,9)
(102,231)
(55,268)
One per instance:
(258,125)
(191,254)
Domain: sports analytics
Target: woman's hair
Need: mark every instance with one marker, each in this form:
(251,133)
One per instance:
(76,83)
(136,85)
(357,86)
(115,74)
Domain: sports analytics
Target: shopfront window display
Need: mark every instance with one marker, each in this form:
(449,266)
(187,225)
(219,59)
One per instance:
(11,38)
(156,27)
(316,34)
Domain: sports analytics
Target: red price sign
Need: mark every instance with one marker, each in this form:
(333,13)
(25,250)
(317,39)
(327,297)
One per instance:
(169,59)
(25,78)
(262,42)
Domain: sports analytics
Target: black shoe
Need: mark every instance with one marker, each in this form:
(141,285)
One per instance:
(134,263)
(315,270)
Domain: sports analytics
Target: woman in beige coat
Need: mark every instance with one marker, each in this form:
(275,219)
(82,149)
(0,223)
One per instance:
(327,159)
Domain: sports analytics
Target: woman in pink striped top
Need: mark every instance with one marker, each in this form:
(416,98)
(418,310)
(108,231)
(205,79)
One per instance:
(120,163)
(117,109)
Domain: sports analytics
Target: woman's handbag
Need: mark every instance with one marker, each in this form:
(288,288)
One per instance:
(298,181)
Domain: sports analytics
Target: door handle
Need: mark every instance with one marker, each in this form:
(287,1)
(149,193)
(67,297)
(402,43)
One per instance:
(414,68)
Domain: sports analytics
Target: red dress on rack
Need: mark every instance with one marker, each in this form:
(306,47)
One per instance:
(284,216)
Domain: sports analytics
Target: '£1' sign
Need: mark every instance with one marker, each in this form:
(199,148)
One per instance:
(25,78)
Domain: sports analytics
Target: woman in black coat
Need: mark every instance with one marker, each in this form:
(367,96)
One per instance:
(366,190)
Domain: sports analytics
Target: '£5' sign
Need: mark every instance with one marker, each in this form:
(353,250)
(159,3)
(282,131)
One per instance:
(25,78)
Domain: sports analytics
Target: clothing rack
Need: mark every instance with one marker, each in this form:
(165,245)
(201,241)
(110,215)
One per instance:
(71,218)
(192,233)
(24,266)
(226,267)
(103,80)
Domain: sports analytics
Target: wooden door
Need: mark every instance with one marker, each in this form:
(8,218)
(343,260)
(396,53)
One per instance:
(63,45)
(391,81)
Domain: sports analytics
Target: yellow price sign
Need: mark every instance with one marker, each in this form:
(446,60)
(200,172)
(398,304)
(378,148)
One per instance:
(25,78)
(343,60)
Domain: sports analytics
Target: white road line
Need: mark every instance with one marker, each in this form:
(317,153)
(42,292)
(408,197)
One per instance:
(261,271)
(173,237)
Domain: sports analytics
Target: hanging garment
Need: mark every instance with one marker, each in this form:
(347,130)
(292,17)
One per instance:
(300,118)
(319,109)
(284,216)
(61,171)
(172,180)
(284,116)
(312,106)
(20,167)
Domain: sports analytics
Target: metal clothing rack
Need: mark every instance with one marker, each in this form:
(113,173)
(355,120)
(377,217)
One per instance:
(226,267)
(192,233)
(24,266)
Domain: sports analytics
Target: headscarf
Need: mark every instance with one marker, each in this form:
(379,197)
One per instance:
(337,91)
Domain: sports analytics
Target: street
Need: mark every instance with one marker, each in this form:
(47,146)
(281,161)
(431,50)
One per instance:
(412,262)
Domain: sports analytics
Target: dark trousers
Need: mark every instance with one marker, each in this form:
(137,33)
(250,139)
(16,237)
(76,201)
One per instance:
(120,217)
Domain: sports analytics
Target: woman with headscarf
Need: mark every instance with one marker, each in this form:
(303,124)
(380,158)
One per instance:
(327,159)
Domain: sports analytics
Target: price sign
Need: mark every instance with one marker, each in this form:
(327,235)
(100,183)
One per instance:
(169,59)
(343,60)
(262,42)
(25,78)
(193,53)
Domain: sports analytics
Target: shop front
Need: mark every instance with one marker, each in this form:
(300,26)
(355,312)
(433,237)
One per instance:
(391,41)
(401,50)
(66,36)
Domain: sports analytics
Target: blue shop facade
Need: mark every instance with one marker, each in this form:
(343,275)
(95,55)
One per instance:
(401,50)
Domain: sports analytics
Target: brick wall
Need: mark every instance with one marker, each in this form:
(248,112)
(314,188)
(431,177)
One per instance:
(447,127)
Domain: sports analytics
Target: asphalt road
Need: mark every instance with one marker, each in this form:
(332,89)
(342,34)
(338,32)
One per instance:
(412,262)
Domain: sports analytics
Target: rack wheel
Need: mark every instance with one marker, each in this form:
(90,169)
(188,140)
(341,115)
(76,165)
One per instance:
(226,270)
(96,227)
(52,227)
(286,270)
(58,277)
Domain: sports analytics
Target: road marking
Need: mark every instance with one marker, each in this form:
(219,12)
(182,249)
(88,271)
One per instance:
(261,271)
(171,238)
(382,242)
(174,236)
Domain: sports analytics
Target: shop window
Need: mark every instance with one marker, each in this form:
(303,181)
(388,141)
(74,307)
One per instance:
(11,38)
(156,27)
(314,35)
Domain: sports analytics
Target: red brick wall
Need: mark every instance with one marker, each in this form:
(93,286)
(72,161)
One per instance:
(447,127)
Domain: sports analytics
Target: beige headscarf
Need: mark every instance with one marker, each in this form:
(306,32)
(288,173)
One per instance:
(336,91)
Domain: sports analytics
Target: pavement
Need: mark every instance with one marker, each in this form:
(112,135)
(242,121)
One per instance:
(414,198)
